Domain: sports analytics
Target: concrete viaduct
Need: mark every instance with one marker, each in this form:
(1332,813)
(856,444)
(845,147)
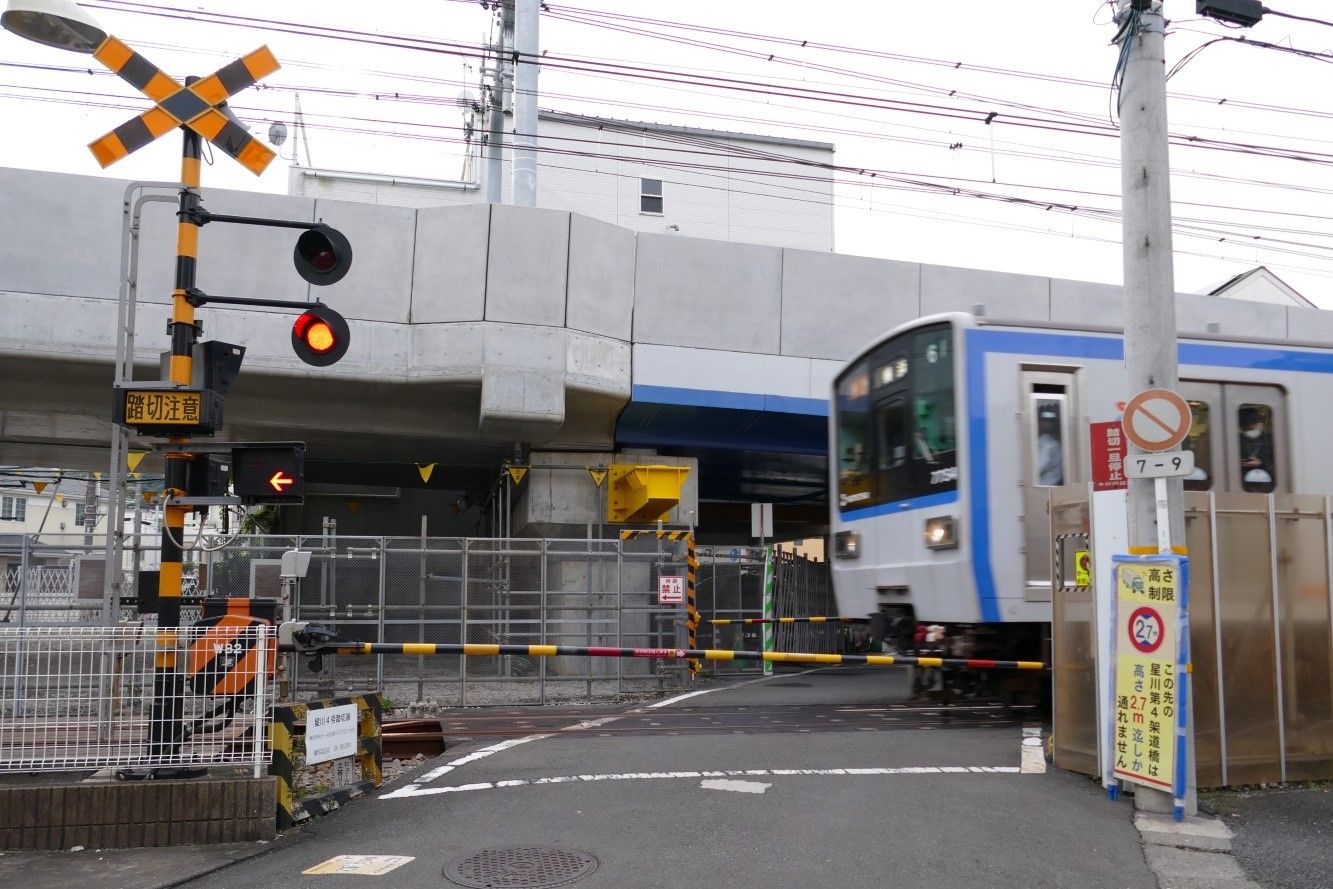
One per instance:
(477,329)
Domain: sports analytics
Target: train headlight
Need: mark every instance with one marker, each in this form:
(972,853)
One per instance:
(941,532)
(847,544)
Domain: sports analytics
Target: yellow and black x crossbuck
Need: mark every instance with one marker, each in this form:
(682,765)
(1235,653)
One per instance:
(194,106)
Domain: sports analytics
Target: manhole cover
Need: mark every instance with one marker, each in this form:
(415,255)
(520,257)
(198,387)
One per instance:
(529,867)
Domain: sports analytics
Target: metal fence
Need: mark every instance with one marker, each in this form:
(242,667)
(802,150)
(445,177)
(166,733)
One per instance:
(1261,638)
(75,698)
(731,586)
(585,592)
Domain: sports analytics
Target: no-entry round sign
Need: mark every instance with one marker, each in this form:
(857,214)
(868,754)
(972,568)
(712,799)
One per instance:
(1157,420)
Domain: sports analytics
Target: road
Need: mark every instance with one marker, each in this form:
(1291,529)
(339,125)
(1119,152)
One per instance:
(827,776)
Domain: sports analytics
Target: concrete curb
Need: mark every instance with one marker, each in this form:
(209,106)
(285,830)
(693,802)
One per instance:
(1190,854)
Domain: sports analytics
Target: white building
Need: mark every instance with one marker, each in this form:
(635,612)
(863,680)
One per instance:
(34,502)
(644,176)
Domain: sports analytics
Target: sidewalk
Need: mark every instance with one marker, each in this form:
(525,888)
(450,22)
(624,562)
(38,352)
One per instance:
(155,868)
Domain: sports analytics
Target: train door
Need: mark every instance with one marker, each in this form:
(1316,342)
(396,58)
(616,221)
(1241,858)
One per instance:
(1238,437)
(1049,414)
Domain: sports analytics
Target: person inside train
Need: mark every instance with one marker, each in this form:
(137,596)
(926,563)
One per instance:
(1050,455)
(1256,451)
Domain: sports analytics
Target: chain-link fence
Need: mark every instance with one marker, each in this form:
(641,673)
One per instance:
(587,592)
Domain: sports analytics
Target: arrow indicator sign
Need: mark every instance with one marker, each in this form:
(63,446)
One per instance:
(272,472)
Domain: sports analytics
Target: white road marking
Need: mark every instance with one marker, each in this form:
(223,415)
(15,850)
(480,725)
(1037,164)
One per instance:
(734,785)
(409,789)
(1033,759)
(414,790)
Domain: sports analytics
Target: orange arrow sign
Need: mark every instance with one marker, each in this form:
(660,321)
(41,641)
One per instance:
(280,479)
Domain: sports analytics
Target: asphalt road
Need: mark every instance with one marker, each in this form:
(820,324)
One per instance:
(1281,838)
(824,777)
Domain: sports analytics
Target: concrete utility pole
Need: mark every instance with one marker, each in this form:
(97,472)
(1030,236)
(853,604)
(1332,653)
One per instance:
(500,79)
(1150,305)
(525,102)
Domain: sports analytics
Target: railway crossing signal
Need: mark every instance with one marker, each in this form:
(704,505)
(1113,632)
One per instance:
(320,336)
(322,255)
(269,473)
(197,106)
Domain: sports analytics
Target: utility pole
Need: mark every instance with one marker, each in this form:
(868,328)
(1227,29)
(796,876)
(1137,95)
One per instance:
(526,43)
(500,79)
(1150,319)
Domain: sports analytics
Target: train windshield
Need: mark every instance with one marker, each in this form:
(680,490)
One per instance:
(896,421)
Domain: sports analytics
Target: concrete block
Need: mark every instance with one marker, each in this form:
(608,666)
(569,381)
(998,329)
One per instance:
(1233,317)
(527,270)
(42,215)
(1309,324)
(1078,302)
(1205,834)
(1192,869)
(832,305)
(449,264)
(708,294)
(520,405)
(183,796)
(379,285)
(1004,296)
(600,297)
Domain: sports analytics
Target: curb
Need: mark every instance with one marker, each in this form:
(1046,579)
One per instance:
(1190,854)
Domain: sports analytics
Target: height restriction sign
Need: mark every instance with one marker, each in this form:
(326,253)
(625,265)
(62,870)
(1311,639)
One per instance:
(1150,650)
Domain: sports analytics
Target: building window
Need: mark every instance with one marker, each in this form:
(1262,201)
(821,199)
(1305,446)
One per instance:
(650,196)
(13,509)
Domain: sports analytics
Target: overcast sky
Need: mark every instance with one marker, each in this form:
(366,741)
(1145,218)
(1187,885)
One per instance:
(942,65)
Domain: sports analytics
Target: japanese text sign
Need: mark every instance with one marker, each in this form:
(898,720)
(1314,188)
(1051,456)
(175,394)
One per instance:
(1109,448)
(1150,650)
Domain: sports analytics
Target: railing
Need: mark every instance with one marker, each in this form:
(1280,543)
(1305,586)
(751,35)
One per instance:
(584,592)
(78,698)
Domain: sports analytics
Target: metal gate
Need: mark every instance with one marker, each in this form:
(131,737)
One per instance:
(1260,635)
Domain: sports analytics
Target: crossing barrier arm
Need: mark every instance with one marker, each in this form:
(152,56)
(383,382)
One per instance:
(313,641)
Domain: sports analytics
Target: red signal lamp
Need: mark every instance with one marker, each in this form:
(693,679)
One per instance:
(320,336)
(322,255)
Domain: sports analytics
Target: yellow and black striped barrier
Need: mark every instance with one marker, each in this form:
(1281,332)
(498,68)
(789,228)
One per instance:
(282,733)
(723,621)
(700,654)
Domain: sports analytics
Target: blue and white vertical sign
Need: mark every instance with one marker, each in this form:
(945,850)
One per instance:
(1150,653)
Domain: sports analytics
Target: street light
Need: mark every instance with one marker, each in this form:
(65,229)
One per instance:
(58,23)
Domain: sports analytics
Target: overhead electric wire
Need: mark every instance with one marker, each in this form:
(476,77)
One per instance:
(577,64)
(641,72)
(710,147)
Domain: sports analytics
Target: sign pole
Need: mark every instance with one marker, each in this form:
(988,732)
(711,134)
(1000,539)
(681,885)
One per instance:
(168,682)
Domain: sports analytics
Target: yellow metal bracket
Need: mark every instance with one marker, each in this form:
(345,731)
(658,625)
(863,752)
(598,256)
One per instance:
(642,493)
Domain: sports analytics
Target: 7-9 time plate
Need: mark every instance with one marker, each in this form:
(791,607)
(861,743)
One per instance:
(1167,464)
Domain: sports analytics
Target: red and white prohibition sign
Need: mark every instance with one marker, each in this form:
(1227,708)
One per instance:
(1145,629)
(1157,420)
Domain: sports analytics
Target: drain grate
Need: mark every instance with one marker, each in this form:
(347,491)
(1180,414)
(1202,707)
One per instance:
(520,867)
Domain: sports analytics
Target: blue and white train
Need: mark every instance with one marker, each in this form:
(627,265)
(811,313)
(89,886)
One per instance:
(946,434)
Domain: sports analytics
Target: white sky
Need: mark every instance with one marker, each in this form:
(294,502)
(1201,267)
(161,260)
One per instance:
(1066,39)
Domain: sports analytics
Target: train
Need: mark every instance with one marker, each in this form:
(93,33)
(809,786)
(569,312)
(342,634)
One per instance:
(947,433)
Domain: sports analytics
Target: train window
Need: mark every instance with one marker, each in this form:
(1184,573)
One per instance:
(1200,442)
(854,478)
(892,434)
(1258,469)
(1049,410)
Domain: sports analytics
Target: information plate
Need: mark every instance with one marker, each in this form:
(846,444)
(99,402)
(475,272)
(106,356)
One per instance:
(330,732)
(1167,464)
(168,411)
(670,589)
(1149,678)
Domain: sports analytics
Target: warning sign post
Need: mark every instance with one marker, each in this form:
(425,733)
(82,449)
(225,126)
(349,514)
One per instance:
(1150,648)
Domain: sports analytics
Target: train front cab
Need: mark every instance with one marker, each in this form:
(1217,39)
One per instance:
(899,494)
